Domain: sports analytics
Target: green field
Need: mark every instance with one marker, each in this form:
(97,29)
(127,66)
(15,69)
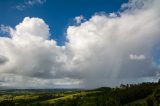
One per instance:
(145,94)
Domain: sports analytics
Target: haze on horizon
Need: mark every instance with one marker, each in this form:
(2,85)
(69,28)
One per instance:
(105,50)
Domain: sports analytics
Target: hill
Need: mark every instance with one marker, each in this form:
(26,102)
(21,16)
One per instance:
(144,94)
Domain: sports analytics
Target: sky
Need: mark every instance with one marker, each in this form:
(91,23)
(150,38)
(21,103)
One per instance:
(78,43)
(57,13)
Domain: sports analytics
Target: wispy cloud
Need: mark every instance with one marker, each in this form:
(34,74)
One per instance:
(79,19)
(4,28)
(29,3)
(137,57)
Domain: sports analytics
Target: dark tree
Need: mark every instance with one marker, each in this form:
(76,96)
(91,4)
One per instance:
(7,103)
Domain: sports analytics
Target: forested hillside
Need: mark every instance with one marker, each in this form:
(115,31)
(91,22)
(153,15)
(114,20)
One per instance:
(144,94)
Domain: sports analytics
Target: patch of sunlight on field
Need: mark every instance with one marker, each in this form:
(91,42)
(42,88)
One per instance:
(52,101)
(25,97)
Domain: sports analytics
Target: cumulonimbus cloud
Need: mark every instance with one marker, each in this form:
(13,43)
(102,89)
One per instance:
(99,51)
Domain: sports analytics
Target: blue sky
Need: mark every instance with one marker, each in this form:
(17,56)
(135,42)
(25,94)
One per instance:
(58,14)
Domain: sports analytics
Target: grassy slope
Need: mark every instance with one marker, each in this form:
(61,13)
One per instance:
(140,102)
(52,101)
